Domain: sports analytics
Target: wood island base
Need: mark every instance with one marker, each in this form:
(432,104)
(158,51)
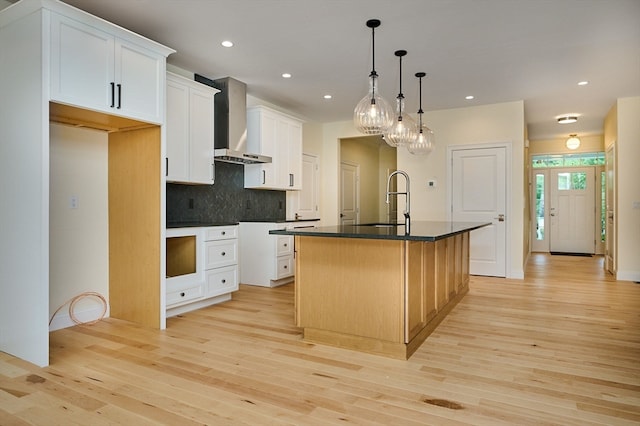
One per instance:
(383,297)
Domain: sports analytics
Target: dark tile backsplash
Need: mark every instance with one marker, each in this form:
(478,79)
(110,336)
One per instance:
(225,201)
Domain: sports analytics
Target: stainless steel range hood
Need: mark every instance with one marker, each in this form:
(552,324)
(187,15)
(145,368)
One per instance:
(231,122)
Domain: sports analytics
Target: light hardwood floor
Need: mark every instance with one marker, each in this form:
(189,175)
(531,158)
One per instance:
(561,347)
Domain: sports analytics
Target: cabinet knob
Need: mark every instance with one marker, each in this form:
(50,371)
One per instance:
(223,253)
(285,266)
(285,244)
(224,281)
(182,294)
(224,233)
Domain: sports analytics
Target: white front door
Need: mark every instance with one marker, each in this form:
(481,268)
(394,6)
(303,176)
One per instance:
(349,193)
(572,210)
(478,194)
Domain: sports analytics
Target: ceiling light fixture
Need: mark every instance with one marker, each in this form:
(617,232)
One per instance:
(372,115)
(423,143)
(583,83)
(227,43)
(328,96)
(573,142)
(568,119)
(403,130)
(286,75)
(469,97)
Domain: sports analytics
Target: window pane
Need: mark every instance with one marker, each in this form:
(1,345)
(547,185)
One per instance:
(539,207)
(573,180)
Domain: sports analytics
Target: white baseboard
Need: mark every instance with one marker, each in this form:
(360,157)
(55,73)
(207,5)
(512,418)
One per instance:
(628,276)
(63,319)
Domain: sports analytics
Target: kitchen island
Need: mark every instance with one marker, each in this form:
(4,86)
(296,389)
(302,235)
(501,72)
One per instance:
(375,288)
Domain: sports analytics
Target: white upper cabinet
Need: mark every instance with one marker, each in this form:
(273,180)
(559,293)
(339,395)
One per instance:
(190,130)
(94,69)
(279,136)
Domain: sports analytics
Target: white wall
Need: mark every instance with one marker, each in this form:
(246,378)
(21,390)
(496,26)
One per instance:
(628,189)
(495,123)
(78,237)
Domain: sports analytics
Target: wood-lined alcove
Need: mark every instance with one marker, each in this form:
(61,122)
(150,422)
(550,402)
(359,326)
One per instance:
(134,218)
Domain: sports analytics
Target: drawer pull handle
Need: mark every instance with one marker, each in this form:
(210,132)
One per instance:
(182,294)
(223,253)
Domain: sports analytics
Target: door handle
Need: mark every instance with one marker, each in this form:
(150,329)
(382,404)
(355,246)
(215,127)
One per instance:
(500,218)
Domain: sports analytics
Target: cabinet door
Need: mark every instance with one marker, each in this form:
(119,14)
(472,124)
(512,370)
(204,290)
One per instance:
(177,129)
(139,76)
(295,157)
(201,124)
(261,138)
(82,64)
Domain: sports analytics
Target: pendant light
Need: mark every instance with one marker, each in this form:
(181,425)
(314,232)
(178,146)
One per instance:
(573,142)
(373,115)
(403,130)
(423,144)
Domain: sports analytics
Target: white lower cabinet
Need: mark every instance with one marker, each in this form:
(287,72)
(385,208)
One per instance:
(267,260)
(215,262)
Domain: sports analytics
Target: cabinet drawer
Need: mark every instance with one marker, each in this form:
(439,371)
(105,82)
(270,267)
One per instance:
(183,295)
(284,267)
(220,233)
(284,245)
(221,280)
(220,253)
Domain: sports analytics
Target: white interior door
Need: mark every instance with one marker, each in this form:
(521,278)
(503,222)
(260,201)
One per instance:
(572,210)
(478,194)
(349,193)
(307,197)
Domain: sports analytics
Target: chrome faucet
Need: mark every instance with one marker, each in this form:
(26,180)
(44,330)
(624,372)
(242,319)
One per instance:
(407,219)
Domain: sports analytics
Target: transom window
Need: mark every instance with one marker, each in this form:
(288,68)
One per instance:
(568,160)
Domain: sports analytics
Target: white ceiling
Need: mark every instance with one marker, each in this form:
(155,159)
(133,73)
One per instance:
(496,50)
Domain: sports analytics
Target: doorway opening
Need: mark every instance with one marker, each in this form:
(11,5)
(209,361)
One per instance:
(568,195)
(373,160)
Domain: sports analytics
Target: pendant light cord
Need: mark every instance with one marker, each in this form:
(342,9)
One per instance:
(400,54)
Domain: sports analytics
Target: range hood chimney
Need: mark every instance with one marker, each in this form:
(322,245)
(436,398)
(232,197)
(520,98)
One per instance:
(231,122)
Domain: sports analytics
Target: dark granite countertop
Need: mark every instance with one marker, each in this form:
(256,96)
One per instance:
(171,225)
(278,220)
(420,230)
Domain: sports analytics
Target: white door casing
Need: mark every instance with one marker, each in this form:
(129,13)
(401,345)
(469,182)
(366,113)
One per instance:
(572,212)
(478,193)
(349,193)
(610,241)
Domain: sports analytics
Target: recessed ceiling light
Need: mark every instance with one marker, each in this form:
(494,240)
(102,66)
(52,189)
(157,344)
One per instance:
(583,83)
(227,43)
(286,75)
(469,97)
(328,96)
(567,119)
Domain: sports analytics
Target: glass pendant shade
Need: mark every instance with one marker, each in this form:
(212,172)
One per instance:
(424,143)
(403,130)
(425,139)
(373,115)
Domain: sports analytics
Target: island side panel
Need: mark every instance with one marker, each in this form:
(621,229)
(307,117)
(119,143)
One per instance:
(351,286)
